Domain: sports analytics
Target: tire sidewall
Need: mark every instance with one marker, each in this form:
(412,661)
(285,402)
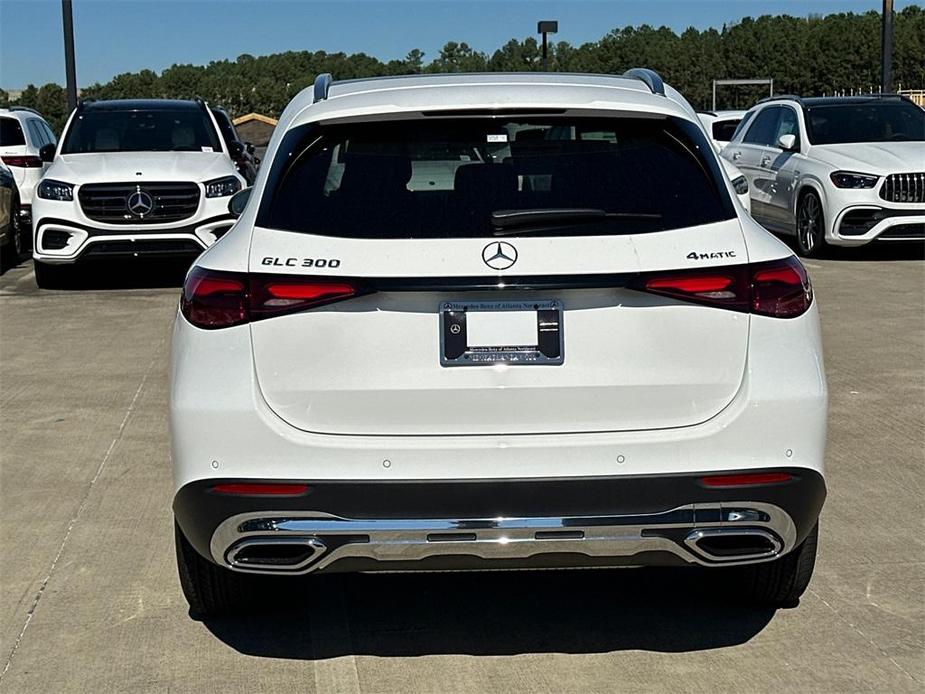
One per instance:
(819,236)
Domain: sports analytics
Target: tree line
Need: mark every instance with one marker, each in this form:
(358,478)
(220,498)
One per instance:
(810,56)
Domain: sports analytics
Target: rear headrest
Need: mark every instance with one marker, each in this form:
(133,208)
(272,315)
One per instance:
(183,135)
(106,140)
(489,180)
(375,173)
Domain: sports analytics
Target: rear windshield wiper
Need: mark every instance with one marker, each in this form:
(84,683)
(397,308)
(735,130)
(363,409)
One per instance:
(512,221)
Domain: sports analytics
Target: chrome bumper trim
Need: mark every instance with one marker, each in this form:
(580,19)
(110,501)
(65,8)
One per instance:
(389,540)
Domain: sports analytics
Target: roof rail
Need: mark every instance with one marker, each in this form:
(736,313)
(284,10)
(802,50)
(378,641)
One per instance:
(322,86)
(649,77)
(25,108)
(782,97)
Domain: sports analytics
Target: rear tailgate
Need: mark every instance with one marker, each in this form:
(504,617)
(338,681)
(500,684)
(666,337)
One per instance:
(372,364)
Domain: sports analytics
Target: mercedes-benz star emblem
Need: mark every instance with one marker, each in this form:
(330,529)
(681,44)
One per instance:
(499,255)
(140,203)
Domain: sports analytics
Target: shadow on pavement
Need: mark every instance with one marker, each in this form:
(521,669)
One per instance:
(879,252)
(126,274)
(498,613)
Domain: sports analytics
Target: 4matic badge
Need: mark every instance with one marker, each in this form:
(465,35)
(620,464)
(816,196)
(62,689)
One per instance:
(714,255)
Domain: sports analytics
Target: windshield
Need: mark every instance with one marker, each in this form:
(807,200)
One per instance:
(867,121)
(437,177)
(188,130)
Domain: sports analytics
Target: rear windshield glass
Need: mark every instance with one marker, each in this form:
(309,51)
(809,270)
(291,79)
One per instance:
(11,133)
(872,121)
(460,177)
(141,131)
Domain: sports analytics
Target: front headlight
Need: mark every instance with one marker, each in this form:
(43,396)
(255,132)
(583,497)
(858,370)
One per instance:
(740,185)
(849,179)
(222,187)
(55,190)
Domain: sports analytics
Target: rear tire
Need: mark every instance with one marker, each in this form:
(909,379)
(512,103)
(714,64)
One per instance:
(210,589)
(51,276)
(16,228)
(781,582)
(810,226)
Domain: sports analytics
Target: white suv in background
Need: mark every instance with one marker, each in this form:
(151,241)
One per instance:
(835,170)
(23,135)
(494,321)
(720,126)
(133,178)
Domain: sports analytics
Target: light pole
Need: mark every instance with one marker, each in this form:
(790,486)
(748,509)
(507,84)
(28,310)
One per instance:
(68,18)
(546,28)
(886,48)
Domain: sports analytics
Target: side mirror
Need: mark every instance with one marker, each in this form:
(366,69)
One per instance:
(47,152)
(239,201)
(236,149)
(787,142)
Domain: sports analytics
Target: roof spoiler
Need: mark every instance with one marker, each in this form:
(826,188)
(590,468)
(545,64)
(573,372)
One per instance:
(322,87)
(782,97)
(649,77)
(24,108)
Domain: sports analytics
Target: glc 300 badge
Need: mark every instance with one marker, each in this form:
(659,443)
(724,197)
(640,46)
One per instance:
(499,255)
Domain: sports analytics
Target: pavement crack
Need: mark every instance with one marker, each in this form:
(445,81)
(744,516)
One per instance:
(80,509)
(857,630)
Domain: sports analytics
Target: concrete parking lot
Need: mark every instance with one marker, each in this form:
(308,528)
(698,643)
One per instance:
(91,602)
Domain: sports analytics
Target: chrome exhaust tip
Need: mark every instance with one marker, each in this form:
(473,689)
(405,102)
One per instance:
(274,554)
(734,544)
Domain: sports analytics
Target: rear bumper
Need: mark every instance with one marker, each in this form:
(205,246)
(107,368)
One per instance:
(510,523)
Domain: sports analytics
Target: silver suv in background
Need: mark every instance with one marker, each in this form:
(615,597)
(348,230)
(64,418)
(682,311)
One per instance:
(835,170)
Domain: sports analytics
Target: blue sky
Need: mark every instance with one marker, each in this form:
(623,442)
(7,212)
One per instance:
(114,36)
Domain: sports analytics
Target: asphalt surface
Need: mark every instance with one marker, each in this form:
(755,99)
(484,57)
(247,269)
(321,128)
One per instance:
(90,600)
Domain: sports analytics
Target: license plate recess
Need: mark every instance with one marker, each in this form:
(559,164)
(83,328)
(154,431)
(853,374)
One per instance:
(506,322)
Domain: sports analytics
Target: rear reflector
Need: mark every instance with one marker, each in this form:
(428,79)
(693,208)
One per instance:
(26,162)
(746,479)
(213,299)
(260,489)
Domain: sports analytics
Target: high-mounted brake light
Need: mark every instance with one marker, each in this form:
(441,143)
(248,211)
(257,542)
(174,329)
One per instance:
(213,299)
(779,288)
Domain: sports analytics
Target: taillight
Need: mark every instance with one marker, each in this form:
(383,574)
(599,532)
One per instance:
(26,162)
(213,299)
(779,288)
(275,295)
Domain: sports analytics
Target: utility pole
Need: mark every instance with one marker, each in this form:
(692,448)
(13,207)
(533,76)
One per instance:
(546,28)
(886,48)
(68,17)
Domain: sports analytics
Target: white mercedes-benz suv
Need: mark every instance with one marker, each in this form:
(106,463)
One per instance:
(132,178)
(835,170)
(494,321)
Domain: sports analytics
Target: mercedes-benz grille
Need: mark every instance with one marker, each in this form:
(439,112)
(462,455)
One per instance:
(907,187)
(148,203)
